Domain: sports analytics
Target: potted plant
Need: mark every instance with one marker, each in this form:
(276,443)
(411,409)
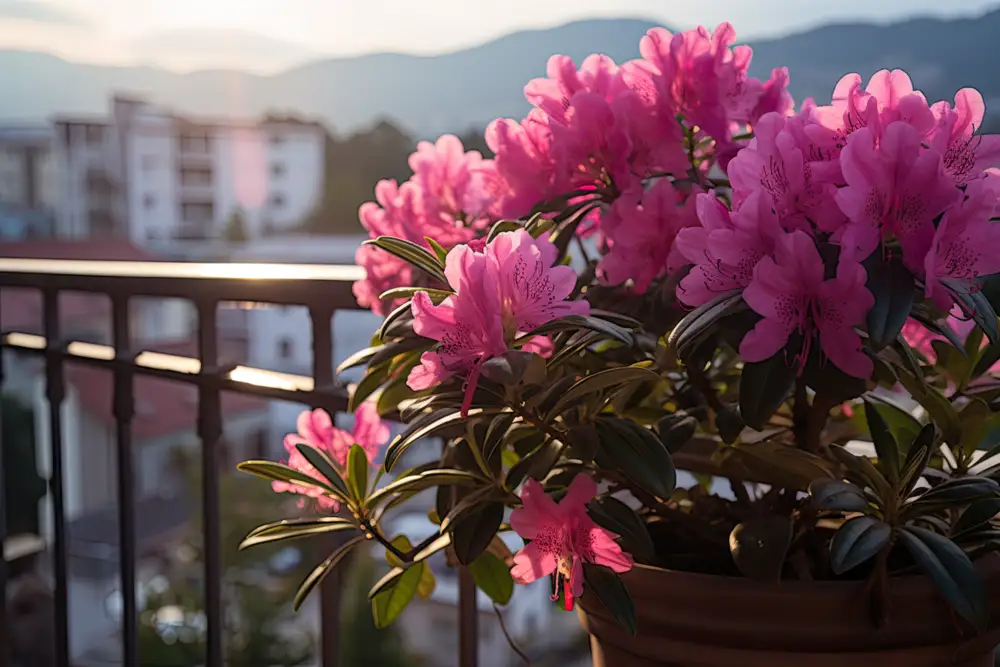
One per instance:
(665,266)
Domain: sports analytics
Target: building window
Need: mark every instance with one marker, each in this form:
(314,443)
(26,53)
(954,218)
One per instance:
(277,201)
(285,349)
(277,170)
(196,176)
(149,202)
(199,212)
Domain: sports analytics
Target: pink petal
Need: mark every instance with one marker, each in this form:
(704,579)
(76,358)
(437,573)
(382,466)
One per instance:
(530,564)
(581,491)
(429,373)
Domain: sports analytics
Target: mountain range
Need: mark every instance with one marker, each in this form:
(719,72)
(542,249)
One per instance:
(466,89)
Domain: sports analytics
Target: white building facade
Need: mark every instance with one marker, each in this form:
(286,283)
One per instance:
(155,177)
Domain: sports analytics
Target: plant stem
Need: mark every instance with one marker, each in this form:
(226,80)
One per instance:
(819,412)
(800,414)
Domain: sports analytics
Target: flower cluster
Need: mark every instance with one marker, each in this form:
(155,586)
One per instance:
(448,198)
(816,194)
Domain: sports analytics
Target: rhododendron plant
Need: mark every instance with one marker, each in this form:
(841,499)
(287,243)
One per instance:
(666,264)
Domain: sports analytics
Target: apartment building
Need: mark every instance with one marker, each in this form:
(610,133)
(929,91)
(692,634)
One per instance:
(154,176)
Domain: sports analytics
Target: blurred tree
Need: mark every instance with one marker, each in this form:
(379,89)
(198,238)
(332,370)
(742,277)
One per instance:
(475,140)
(23,486)
(236,227)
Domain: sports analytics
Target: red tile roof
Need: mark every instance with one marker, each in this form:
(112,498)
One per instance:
(162,407)
(83,249)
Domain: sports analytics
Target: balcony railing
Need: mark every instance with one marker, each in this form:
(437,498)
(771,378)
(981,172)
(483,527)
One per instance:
(323,290)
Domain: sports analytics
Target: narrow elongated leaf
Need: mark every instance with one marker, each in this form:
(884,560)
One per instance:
(903,425)
(411,253)
(764,385)
(891,284)
(885,444)
(436,295)
(760,545)
(917,458)
(608,588)
(402,442)
(472,533)
(390,602)
(837,496)
(373,379)
(575,322)
(291,529)
(536,465)
(439,251)
(857,541)
(620,519)
(952,572)
(502,226)
(323,569)
(606,379)
(358,358)
(864,469)
(643,460)
(324,464)
(977,515)
(696,325)
(357,473)
(960,490)
(282,473)
(978,306)
(411,484)
(492,576)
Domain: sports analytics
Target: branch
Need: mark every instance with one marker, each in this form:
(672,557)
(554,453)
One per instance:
(510,640)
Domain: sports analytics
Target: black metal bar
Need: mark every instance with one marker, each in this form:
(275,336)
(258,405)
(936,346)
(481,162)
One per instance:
(210,430)
(468,620)
(124,410)
(55,391)
(4,620)
(332,586)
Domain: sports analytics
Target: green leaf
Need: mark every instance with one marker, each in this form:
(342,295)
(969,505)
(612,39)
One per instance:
(418,431)
(989,358)
(903,425)
(436,295)
(917,458)
(960,490)
(492,576)
(568,226)
(358,358)
(975,419)
(357,473)
(441,253)
(369,384)
(502,226)
(608,588)
(493,443)
(291,529)
(411,484)
(676,433)
(616,516)
(317,575)
(390,603)
(696,325)
(509,368)
(952,572)
(764,385)
(536,465)
(781,463)
(937,406)
(578,322)
(282,473)
(326,467)
(885,444)
(978,306)
(639,454)
(584,442)
(606,379)
(729,423)
(412,253)
(977,515)
(857,541)
(760,545)
(864,469)
(474,531)
(837,496)
(891,284)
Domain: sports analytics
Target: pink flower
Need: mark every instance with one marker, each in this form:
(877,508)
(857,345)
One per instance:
(316,429)
(507,289)
(966,244)
(789,291)
(892,188)
(553,95)
(447,179)
(524,162)
(775,163)
(966,154)
(563,538)
(726,247)
(644,235)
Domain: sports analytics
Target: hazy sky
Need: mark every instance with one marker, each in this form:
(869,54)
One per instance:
(267,34)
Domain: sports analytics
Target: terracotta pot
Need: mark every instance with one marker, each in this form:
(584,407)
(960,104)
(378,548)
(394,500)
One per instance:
(695,620)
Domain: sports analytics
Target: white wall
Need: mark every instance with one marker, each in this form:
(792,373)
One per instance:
(153,178)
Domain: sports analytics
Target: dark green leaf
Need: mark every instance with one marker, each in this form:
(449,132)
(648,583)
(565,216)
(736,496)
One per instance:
(891,284)
(903,426)
(326,467)
(282,473)
(677,432)
(502,226)
(608,588)
(952,571)
(917,458)
(639,454)
(357,473)
(509,368)
(291,529)
(569,225)
(373,379)
(388,604)
(938,327)
(535,465)
(838,496)
(412,253)
(605,379)
(764,385)
(584,442)
(616,516)
(697,324)
(990,357)
(864,469)
(492,576)
(436,295)
(410,484)
(857,541)
(885,444)
(759,546)
(493,443)
(441,253)
(729,423)
(424,429)
(977,515)
(323,569)
(961,490)
(577,322)
(474,531)
(358,358)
